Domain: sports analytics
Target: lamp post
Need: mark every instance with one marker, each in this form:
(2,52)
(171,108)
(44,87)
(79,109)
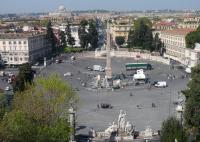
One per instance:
(72,123)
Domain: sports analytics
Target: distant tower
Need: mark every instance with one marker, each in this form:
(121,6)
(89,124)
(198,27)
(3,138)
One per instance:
(108,58)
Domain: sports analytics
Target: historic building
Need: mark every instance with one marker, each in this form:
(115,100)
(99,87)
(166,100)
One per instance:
(59,16)
(162,25)
(120,27)
(19,48)
(175,44)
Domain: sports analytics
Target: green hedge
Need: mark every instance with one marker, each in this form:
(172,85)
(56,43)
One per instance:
(73,50)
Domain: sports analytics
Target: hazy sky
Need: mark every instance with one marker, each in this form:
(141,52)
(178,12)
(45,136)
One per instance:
(21,6)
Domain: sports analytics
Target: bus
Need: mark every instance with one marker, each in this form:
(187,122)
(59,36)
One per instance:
(136,66)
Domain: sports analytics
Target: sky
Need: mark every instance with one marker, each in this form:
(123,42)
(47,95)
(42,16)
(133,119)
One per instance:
(25,6)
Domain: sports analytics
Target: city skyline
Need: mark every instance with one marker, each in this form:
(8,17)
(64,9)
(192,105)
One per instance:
(24,6)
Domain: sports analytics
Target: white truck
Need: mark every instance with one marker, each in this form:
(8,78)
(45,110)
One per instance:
(188,70)
(139,75)
(160,84)
(98,68)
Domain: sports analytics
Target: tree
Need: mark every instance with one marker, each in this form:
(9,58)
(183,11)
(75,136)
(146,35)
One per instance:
(26,75)
(70,39)
(130,38)
(192,38)
(93,34)
(63,40)
(40,113)
(171,130)
(51,36)
(141,34)
(148,40)
(157,43)
(192,106)
(83,34)
(120,40)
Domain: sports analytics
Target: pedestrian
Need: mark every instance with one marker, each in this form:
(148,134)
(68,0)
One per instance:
(153,105)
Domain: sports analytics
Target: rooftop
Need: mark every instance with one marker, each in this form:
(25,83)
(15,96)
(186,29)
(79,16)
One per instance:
(162,23)
(20,35)
(181,32)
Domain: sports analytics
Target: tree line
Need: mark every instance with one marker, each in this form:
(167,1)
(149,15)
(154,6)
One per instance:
(192,38)
(39,109)
(87,32)
(140,36)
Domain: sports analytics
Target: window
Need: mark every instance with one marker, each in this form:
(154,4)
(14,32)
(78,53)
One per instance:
(10,59)
(4,42)
(10,42)
(24,42)
(14,42)
(21,59)
(15,59)
(20,42)
(25,59)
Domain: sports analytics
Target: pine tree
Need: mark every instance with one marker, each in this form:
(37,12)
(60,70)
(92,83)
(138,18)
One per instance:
(157,43)
(63,40)
(141,35)
(93,34)
(83,34)
(51,36)
(70,39)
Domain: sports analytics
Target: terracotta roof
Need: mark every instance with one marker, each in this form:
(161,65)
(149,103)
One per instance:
(165,24)
(20,35)
(182,32)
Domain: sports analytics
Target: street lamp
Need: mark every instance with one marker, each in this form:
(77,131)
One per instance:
(72,123)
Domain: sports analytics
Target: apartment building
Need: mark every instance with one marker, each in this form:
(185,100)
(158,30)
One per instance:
(175,44)
(162,25)
(189,25)
(19,48)
(121,27)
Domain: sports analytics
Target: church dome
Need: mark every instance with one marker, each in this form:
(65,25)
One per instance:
(61,8)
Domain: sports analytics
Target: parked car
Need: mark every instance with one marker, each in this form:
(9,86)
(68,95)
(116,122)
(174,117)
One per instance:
(161,84)
(89,69)
(58,61)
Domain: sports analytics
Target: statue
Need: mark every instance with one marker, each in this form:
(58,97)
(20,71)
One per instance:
(122,120)
(111,128)
(129,128)
(92,133)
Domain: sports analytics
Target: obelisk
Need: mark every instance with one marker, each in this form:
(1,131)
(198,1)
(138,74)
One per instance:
(108,68)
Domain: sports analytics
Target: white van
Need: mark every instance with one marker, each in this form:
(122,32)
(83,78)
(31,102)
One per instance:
(161,84)
(98,68)
(188,70)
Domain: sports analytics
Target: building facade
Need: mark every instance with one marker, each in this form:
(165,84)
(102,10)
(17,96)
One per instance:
(120,27)
(175,44)
(19,48)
